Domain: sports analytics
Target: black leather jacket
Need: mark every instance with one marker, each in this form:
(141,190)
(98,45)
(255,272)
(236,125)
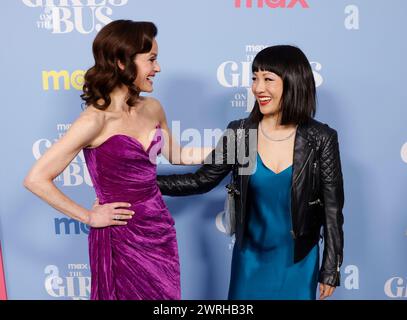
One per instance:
(317,196)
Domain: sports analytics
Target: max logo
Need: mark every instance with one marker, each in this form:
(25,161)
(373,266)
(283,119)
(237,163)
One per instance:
(272,3)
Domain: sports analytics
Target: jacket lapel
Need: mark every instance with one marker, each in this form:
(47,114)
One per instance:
(302,150)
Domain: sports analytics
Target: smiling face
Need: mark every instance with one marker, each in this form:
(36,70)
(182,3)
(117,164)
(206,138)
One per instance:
(267,88)
(147,67)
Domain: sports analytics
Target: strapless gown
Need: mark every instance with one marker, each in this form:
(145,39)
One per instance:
(138,261)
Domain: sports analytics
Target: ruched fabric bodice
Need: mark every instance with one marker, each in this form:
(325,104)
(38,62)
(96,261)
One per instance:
(138,260)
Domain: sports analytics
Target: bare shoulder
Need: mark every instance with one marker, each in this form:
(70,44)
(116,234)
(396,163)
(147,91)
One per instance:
(88,125)
(92,119)
(154,108)
(153,103)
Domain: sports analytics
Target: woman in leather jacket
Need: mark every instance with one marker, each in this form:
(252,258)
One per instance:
(286,183)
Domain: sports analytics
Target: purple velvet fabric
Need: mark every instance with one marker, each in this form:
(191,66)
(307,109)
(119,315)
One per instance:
(138,260)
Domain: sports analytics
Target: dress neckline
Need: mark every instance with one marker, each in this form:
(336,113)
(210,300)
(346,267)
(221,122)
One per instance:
(264,165)
(157,127)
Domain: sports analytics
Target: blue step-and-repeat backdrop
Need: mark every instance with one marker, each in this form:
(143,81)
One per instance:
(357,49)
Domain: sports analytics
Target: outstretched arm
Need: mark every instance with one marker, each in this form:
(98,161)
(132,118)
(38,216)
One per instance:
(217,165)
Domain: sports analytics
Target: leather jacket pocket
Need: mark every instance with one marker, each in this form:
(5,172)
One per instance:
(315,216)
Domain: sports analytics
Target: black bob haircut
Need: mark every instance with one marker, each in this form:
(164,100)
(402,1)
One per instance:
(298,101)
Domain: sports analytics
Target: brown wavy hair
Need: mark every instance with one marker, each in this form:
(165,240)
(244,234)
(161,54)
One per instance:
(119,40)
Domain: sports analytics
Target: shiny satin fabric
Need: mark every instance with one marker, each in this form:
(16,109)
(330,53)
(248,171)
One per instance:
(138,261)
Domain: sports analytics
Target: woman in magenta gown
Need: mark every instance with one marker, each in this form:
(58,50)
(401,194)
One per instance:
(138,260)
(132,241)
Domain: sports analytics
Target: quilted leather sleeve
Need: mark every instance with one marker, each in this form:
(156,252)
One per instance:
(330,161)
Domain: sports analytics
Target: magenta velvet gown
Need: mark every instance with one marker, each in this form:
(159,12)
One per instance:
(138,260)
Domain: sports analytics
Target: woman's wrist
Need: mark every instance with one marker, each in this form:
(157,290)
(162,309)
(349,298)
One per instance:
(85,217)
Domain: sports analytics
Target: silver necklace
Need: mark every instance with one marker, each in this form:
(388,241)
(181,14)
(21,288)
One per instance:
(276,140)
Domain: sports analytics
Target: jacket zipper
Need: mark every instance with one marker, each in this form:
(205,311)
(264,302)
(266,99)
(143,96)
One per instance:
(305,164)
(314,172)
(337,269)
(291,214)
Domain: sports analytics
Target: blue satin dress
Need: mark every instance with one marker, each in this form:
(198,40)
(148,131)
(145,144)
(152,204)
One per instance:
(263,269)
